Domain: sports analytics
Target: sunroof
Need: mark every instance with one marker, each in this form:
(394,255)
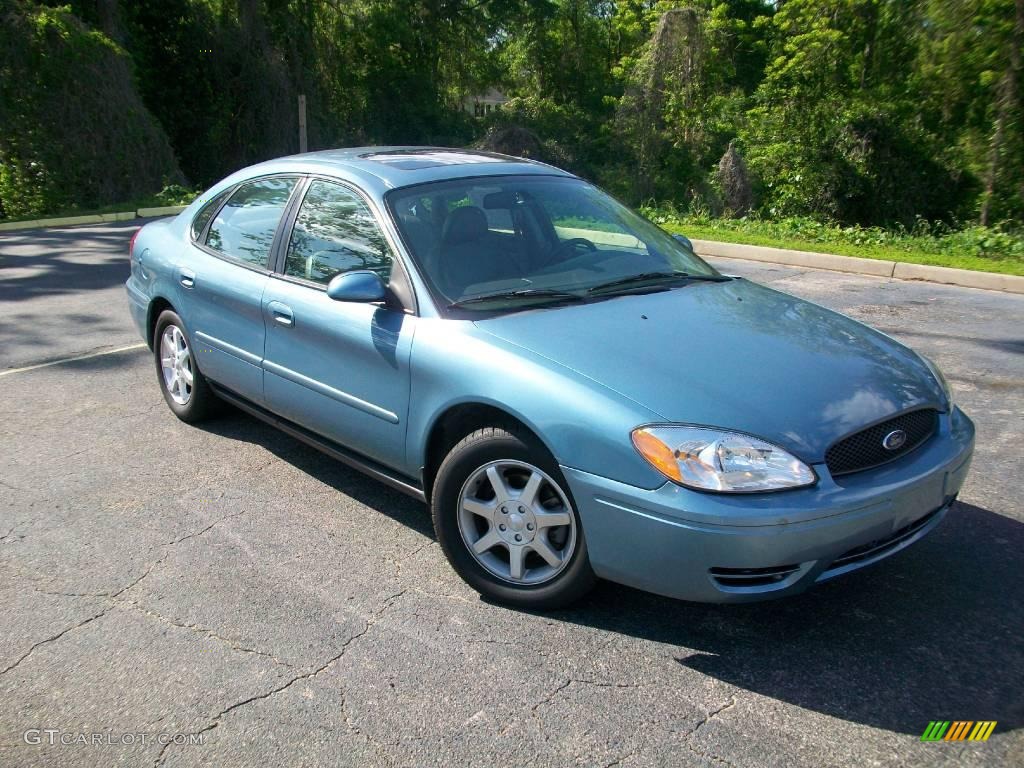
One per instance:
(412,159)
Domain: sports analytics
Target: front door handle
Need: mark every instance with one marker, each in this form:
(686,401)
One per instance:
(281,313)
(187,278)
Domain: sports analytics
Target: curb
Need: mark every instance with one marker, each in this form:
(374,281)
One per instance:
(167,210)
(992,281)
(966,278)
(93,218)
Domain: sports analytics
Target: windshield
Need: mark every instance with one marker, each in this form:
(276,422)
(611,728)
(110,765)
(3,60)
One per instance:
(495,242)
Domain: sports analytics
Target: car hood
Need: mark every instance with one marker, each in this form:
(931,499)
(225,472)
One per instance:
(735,355)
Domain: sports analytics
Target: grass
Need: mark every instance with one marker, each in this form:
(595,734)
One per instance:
(985,249)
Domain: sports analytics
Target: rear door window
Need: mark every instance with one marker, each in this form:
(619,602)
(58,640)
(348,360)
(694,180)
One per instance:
(244,228)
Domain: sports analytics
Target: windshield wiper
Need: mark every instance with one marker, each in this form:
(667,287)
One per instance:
(522,293)
(653,277)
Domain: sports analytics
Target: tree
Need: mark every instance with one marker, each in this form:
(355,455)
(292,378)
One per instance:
(835,130)
(1005,156)
(682,100)
(866,111)
(734,182)
(73,130)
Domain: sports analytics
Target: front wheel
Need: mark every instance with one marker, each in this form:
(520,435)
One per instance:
(505,519)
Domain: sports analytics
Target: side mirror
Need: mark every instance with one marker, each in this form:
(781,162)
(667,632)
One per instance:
(685,241)
(361,286)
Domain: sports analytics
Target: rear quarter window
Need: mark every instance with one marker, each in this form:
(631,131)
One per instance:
(244,228)
(205,214)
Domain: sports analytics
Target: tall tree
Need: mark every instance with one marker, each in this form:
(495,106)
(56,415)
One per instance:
(1005,147)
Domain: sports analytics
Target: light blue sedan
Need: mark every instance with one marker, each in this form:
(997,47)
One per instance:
(573,392)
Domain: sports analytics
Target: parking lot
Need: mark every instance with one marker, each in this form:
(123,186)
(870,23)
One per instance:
(157,578)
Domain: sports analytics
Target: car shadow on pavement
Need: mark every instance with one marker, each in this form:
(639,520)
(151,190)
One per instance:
(934,633)
(236,425)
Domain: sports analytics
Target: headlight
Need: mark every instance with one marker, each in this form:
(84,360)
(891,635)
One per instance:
(717,460)
(941,379)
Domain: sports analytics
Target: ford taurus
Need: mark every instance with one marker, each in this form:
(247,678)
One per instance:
(572,390)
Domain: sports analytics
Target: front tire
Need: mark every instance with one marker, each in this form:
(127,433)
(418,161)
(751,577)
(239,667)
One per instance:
(505,519)
(183,385)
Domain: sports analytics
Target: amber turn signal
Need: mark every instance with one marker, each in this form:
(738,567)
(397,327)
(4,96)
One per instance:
(657,453)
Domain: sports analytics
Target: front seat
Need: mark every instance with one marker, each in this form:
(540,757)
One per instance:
(466,254)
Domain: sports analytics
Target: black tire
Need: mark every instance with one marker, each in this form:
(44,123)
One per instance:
(473,452)
(202,402)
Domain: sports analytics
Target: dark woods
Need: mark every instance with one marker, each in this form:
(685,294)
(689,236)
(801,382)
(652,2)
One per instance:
(875,112)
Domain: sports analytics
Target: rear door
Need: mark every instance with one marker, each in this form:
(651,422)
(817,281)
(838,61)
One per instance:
(226,281)
(340,369)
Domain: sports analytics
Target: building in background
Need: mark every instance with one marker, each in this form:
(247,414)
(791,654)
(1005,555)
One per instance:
(482,104)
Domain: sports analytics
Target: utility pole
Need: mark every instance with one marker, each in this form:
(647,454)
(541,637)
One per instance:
(303,145)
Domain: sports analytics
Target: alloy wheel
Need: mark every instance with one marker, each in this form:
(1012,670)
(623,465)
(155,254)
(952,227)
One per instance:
(517,522)
(176,364)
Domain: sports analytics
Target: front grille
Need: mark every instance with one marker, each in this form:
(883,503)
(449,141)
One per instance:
(865,450)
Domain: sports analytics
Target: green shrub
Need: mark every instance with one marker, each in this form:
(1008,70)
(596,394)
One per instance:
(74,133)
(999,248)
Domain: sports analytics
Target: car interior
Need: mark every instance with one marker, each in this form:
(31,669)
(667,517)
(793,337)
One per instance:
(472,241)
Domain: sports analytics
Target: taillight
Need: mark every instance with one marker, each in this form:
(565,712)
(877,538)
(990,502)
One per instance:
(131,244)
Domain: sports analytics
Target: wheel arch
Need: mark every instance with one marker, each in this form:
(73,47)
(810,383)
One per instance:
(157,305)
(459,420)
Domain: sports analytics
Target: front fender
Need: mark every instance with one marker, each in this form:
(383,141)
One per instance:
(582,423)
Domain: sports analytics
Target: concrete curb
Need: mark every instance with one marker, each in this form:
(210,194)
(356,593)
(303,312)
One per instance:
(65,221)
(167,210)
(119,216)
(93,218)
(991,281)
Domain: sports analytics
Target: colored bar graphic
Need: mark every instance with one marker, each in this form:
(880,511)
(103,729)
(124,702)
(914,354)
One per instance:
(958,730)
(935,731)
(982,730)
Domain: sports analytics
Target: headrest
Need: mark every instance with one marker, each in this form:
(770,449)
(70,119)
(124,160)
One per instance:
(464,224)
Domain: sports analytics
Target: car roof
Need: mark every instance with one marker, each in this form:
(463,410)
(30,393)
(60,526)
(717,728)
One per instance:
(379,169)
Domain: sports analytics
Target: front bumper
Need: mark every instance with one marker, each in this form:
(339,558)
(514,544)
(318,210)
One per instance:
(711,547)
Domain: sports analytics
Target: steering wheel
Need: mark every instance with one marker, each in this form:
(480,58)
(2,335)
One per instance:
(555,255)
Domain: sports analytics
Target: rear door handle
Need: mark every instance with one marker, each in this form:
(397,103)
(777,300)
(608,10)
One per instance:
(281,313)
(187,278)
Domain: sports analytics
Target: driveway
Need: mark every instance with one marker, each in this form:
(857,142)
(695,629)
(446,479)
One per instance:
(237,595)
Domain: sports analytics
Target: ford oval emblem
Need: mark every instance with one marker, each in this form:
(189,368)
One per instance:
(894,440)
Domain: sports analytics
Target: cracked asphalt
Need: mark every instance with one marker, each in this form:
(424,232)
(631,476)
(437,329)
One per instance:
(229,582)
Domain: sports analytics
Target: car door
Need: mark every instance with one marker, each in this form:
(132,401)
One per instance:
(226,280)
(340,369)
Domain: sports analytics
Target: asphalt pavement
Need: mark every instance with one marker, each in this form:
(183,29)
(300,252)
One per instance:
(251,602)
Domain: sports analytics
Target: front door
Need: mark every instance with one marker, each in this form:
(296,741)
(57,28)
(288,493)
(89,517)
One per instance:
(337,368)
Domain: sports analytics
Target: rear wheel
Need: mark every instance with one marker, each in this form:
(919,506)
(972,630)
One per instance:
(183,385)
(506,521)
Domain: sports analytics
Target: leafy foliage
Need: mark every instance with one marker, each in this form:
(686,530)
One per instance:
(874,113)
(75,132)
(991,249)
